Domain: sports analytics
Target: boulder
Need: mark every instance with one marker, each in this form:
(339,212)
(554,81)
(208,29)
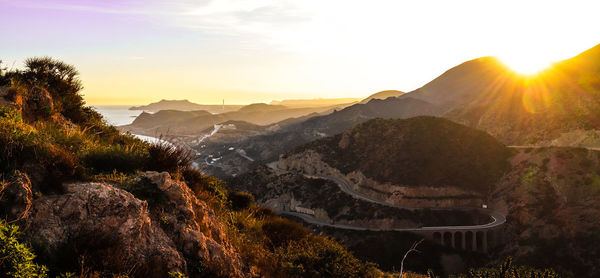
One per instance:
(106,225)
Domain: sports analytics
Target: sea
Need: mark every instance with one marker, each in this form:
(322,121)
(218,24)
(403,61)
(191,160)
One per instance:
(117,114)
(121,115)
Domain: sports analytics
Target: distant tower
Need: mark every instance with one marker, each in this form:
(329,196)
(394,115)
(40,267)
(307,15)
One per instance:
(223,107)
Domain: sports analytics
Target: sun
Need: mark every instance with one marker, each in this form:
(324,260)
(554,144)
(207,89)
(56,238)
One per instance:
(526,64)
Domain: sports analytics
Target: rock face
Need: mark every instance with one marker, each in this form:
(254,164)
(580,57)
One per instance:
(97,215)
(113,230)
(194,228)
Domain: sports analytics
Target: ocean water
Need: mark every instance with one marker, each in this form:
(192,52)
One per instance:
(117,114)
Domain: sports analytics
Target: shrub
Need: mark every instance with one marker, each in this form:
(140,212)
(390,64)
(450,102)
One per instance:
(60,164)
(176,274)
(281,231)
(321,257)
(263,213)
(121,158)
(16,260)
(240,200)
(165,157)
(62,82)
(207,188)
(16,137)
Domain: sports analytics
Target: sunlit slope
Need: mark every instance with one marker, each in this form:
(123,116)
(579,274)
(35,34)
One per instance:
(520,109)
(383,95)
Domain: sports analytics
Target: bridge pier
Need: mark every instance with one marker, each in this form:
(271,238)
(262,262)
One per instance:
(484,242)
(474,244)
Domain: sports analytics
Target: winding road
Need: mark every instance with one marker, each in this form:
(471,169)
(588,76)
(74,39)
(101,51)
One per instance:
(497,218)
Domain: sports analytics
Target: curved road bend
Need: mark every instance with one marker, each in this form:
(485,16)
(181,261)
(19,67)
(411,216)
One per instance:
(497,218)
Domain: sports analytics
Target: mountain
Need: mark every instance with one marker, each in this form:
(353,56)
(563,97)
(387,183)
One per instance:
(185,105)
(287,134)
(416,152)
(522,110)
(317,102)
(193,123)
(382,95)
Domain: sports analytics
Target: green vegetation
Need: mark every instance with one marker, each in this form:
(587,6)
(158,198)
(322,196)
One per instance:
(275,247)
(16,259)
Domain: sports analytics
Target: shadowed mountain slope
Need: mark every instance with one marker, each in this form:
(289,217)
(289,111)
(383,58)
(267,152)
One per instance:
(420,151)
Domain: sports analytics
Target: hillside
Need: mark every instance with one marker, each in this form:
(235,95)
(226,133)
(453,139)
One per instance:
(92,202)
(382,95)
(185,105)
(551,197)
(419,151)
(522,110)
(317,102)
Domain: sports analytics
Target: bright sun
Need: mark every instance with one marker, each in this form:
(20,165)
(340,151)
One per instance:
(526,64)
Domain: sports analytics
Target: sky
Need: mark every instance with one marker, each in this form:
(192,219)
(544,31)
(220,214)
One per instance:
(136,52)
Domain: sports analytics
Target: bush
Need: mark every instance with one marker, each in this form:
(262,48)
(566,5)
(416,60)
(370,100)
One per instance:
(62,82)
(240,200)
(165,157)
(16,260)
(321,257)
(281,231)
(121,158)
(16,137)
(263,213)
(207,188)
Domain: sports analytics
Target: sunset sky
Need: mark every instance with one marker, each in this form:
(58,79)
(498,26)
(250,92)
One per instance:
(136,52)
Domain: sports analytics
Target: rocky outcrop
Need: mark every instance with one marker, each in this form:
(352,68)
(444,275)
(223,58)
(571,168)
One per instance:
(310,162)
(114,231)
(109,225)
(194,228)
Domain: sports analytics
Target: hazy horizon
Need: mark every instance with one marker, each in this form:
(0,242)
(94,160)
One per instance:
(138,52)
